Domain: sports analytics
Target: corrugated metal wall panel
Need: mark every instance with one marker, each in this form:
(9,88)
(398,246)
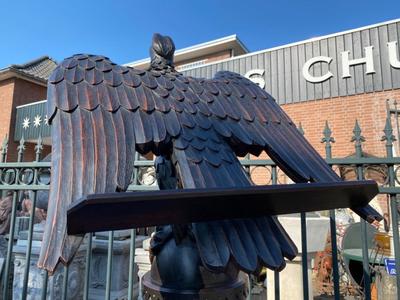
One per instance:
(310,86)
(325,69)
(317,70)
(288,75)
(374,36)
(386,73)
(368,78)
(294,56)
(303,82)
(393,36)
(282,67)
(334,68)
(33,131)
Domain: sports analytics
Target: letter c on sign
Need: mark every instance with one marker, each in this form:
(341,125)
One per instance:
(256,79)
(310,62)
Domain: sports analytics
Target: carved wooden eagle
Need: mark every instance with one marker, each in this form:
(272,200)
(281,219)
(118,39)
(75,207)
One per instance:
(101,113)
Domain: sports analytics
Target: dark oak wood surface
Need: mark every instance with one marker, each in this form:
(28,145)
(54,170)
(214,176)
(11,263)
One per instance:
(101,113)
(139,209)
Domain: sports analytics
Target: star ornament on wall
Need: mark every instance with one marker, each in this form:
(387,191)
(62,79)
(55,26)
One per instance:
(25,123)
(37,121)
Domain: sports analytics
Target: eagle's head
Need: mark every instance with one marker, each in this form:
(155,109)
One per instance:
(162,52)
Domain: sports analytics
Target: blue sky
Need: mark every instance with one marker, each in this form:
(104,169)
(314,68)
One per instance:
(122,30)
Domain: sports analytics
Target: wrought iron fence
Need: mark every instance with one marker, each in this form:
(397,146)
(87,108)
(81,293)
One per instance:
(17,178)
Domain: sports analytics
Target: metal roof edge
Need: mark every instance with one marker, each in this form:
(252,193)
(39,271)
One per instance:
(197,47)
(32,103)
(313,39)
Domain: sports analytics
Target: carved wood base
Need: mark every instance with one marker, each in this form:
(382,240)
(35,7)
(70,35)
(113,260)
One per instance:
(233,291)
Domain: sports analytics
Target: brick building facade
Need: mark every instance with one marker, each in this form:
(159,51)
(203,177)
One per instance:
(19,85)
(339,78)
(341,113)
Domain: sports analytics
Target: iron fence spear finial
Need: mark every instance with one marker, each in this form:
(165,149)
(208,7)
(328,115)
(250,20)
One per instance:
(300,129)
(4,148)
(358,139)
(388,136)
(21,148)
(38,147)
(327,139)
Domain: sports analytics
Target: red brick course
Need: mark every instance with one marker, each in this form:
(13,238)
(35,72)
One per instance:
(15,92)
(341,113)
(6,96)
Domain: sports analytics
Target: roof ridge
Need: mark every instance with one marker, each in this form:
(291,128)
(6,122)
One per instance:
(32,62)
(39,68)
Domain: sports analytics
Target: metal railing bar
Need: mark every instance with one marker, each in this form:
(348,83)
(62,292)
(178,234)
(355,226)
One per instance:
(359,139)
(328,140)
(29,247)
(274,180)
(245,162)
(365,261)
(335,267)
(8,262)
(143,163)
(132,187)
(395,222)
(132,246)
(44,285)
(38,150)
(109,264)
(25,165)
(65,283)
(304,255)
(276,285)
(334,161)
(396,240)
(18,187)
(389,138)
(24,187)
(389,190)
(88,265)
(132,250)
(10,246)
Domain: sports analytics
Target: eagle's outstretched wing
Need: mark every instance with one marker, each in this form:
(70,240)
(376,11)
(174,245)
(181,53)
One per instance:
(268,126)
(100,112)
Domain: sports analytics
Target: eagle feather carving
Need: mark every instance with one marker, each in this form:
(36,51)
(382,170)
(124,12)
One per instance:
(101,113)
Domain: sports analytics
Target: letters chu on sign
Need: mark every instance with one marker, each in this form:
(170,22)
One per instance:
(368,60)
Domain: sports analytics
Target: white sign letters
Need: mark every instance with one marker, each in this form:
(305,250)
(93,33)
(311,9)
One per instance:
(368,60)
(257,75)
(392,51)
(310,62)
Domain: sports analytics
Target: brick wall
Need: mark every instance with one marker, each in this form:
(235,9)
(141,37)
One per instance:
(24,92)
(341,113)
(15,92)
(6,96)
